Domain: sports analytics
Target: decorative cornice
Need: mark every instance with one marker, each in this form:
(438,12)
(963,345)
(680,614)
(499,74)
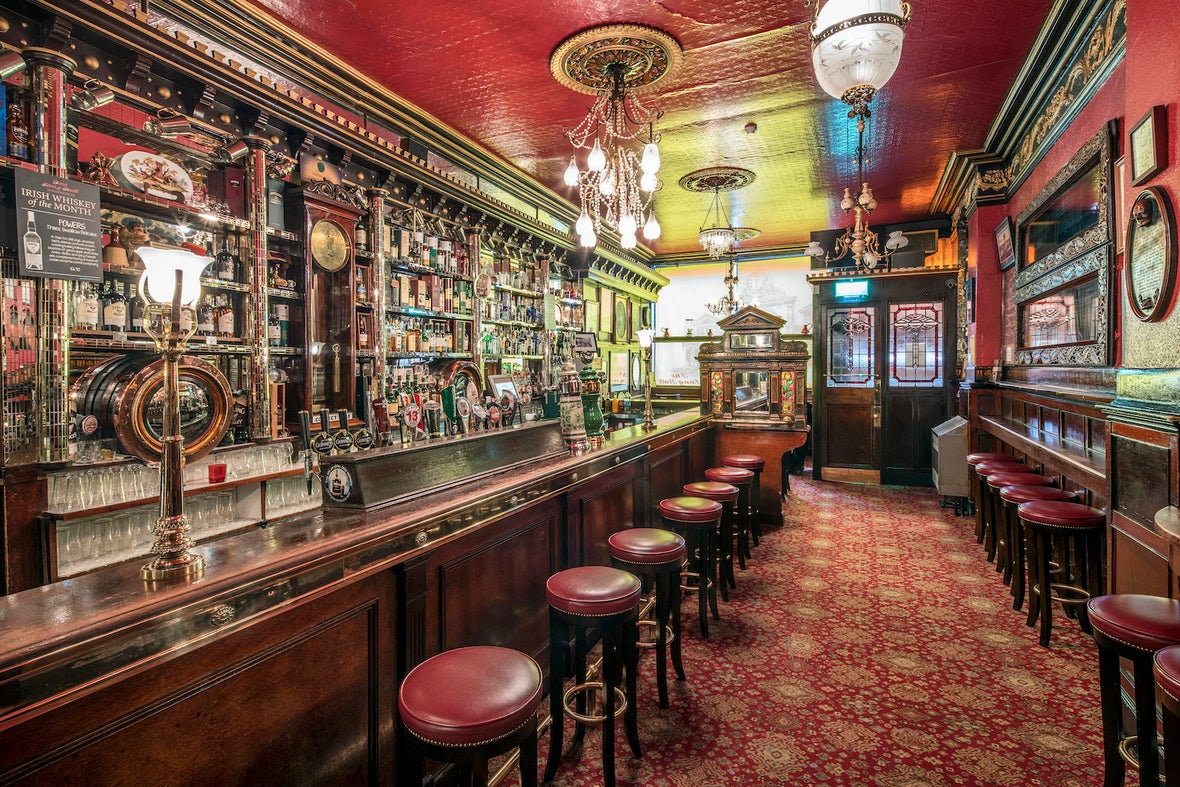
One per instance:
(1078,46)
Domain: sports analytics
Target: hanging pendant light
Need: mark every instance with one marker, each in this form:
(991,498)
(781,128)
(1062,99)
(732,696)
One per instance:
(856,46)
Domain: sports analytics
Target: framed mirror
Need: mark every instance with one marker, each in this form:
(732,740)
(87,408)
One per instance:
(751,392)
(1151,255)
(751,341)
(1064,258)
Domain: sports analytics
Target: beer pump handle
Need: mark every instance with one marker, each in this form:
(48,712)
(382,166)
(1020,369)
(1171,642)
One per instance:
(325,420)
(305,436)
(342,418)
(381,417)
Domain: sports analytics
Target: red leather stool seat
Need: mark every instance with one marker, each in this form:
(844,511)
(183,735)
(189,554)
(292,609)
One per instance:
(712,490)
(1167,671)
(745,461)
(988,456)
(646,545)
(1023,493)
(1000,480)
(690,509)
(1147,623)
(1060,514)
(729,475)
(470,696)
(987,468)
(593,590)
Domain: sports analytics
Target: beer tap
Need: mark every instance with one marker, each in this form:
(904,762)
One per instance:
(342,440)
(306,452)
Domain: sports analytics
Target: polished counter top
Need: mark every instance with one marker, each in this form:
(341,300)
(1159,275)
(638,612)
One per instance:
(57,637)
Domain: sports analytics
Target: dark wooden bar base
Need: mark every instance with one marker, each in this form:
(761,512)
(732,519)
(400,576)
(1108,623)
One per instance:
(774,447)
(281,664)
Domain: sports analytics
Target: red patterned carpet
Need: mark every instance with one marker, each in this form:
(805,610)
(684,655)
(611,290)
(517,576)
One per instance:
(869,643)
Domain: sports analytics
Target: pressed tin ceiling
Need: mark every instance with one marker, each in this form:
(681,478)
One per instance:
(482,67)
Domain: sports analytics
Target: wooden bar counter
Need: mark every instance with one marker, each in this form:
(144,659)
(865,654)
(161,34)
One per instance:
(280,664)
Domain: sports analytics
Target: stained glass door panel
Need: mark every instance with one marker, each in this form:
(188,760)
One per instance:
(850,368)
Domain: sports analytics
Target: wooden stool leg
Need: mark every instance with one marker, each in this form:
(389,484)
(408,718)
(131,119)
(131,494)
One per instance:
(1032,558)
(756,508)
(991,533)
(581,702)
(663,609)
(701,545)
(981,509)
(479,773)
(1149,763)
(743,517)
(710,566)
(610,679)
(734,529)
(1171,743)
(1112,713)
(1045,597)
(528,759)
(630,658)
(558,645)
(1018,563)
(674,602)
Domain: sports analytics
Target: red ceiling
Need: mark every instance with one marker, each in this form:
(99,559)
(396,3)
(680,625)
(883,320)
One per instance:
(483,68)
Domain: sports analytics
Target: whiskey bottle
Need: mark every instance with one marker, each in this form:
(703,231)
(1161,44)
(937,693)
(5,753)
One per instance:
(134,309)
(114,307)
(206,322)
(274,331)
(226,319)
(32,241)
(18,130)
(86,307)
(225,262)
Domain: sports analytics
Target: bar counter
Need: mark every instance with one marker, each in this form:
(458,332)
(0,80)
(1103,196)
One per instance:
(280,663)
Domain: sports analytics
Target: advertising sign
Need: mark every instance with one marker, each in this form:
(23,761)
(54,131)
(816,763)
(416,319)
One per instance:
(62,236)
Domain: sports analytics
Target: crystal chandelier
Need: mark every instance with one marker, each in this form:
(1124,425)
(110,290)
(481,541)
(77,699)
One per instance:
(727,304)
(718,237)
(617,177)
(858,240)
(856,46)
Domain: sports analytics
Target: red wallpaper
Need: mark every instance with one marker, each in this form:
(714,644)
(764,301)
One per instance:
(983,265)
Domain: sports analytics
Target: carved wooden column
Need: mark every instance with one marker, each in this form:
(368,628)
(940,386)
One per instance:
(255,318)
(378,287)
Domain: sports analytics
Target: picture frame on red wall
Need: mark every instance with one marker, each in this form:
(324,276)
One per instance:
(1005,243)
(1148,145)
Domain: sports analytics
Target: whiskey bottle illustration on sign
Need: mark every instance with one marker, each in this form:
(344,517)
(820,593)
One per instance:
(32,241)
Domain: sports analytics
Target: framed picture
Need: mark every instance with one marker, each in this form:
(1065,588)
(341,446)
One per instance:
(1148,148)
(636,372)
(1151,255)
(1120,210)
(969,298)
(606,307)
(622,320)
(591,317)
(1005,245)
(618,370)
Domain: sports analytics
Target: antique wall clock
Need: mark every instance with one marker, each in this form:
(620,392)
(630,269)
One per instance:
(330,246)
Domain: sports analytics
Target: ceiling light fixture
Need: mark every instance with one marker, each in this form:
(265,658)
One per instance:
(856,46)
(717,235)
(728,303)
(617,178)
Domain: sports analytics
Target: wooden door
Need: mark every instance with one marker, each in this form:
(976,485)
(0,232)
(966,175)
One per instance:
(850,410)
(885,379)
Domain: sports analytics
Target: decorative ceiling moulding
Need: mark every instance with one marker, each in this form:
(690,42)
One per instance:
(1078,46)
(258,36)
(583,62)
(747,255)
(719,178)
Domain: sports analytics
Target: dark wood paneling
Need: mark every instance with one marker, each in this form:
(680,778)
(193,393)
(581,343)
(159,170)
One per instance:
(597,509)
(699,455)
(25,496)
(664,472)
(1136,568)
(905,446)
(305,695)
(1138,469)
(490,589)
(848,441)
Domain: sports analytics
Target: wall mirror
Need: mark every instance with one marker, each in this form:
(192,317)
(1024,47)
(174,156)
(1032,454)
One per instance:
(750,392)
(1063,283)
(750,341)
(1151,255)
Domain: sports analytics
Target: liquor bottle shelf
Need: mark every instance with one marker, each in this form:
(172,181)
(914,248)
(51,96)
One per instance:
(514,323)
(400,265)
(285,293)
(117,196)
(122,340)
(286,350)
(224,284)
(521,356)
(427,355)
(413,311)
(284,235)
(518,291)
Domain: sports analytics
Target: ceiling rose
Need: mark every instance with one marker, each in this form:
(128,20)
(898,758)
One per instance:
(717,179)
(582,61)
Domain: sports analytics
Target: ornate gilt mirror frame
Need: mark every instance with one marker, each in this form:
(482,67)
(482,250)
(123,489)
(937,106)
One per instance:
(1082,258)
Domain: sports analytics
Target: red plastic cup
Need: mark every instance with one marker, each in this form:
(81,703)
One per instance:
(217,474)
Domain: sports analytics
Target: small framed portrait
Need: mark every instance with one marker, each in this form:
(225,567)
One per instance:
(619,369)
(606,310)
(1148,149)
(591,317)
(1151,255)
(1005,245)
(622,320)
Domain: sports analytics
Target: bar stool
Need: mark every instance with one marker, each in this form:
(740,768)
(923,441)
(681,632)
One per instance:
(997,534)
(754,464)
(973,479)
(1010,498)
(1167,677)
(1082,531)
(742,479)
(1133,627)
(726,495)
(656,556)
(984,515)
(695,518)
(590,598)
(467,705)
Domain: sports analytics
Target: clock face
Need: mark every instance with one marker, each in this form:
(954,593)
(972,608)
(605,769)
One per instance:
(329,245)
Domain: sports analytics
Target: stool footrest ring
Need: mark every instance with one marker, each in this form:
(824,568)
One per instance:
(595,714)
(651,644)
(1079,595)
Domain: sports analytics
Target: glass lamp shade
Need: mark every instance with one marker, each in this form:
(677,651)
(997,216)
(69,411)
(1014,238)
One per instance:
(159,277)
(717,241)
(814,249)
(857,42)
(896,240)
(571,173)
(645,336)
(651,228)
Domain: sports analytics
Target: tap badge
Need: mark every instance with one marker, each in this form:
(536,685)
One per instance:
(338,483)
